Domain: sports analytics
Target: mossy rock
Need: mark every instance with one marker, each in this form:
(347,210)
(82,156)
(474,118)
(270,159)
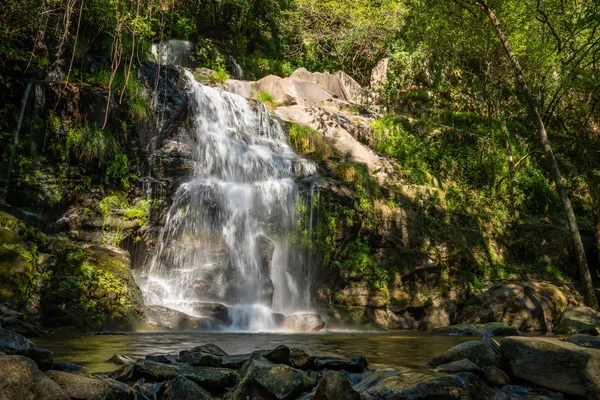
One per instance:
(92,289)
(17,268)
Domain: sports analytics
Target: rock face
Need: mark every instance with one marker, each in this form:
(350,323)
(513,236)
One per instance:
(82,387)
(333,386)
(304,322)
(161,318)
(527,305)
(579,320)
(479,353)
(21,379)
(554,365)
(262,379)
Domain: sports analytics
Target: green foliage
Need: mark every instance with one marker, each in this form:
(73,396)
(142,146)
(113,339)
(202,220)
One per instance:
(359,266)
(536,195)
(118,172)
(91,145)
(220,77)
(266,98)
(309,142)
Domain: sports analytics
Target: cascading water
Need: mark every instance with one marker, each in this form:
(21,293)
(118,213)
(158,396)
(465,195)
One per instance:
(227,234)
(175,52)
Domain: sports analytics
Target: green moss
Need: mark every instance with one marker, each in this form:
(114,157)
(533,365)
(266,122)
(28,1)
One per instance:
(309,142)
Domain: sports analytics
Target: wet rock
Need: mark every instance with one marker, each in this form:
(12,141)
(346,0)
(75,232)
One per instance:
(182,388)
(301,359)
(162,358)
(21,379)
(498,329)
(582,340)
(522,392)
(21,327)
(457,330)
(200,359)
(279,355)
(304,322)
(495,376)
(278,319)
(44,358)
(8,312)
(475,351)
(83,387)
(356,364)
(65,366)
(579,320)
(333,386)
(208,378)
(164,318)
(391,387)
(13,341)
(212,310)
(261,379)
(211,349)
(554,365)
(458,366)
(120,359)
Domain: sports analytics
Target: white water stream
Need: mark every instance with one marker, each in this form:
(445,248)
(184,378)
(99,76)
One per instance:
(227,234)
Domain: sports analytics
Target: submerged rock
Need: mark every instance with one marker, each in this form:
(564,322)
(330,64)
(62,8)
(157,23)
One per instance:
(579,320)
(182,388)
(356,364)
(21,379)
(554,365)
(83,387)
(334,386)
(304,322)
(262,379)
(475,351)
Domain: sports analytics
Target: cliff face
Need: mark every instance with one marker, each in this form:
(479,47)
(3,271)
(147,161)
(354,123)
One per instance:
(90,191)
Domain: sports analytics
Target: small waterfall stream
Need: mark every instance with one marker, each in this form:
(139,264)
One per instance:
(227,236)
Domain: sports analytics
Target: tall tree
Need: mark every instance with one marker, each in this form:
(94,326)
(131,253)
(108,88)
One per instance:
(586,277)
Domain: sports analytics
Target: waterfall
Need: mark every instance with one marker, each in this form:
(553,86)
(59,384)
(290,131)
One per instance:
(13,152)
(172,52)
(227,235)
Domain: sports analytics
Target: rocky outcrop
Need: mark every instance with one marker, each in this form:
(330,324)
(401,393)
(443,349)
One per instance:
(578,320)
(304,322)
(160,318)
(554,365)
(21,379)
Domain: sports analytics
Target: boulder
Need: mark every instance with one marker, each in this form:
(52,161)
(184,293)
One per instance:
(379,77)
(327,81)
(120,359)
(554,365)
(88,388)
(163,318)
(21,379)
(495,376)
(527,305)
(279,355)
(390,387)
(352,91)
(208,378)
(210,348)
(582,340)
(65,366)
(458,366)
(241,88)
(262,379)
(334,386)
(304,322)
(200,359)
(162,358)
(357,364)
(13,341)
(182,388)
(457,330)
(273,85)
(21,327)
(301,359)
(498,329)
(44,358)
(479,353)
(212,310)
(579,320)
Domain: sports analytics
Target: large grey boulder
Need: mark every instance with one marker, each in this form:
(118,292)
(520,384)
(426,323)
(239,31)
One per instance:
(333,386)
(352,91)
(262,379)
(88,388)
(274,85)
(163,318)
(304,322)
(13,341)
(578,320)
(21,379)
(182,388)
(479,353)
(554,365)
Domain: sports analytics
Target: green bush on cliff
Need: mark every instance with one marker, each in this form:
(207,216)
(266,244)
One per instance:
(90,144)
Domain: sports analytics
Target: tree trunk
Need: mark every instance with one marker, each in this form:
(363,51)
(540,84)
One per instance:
(511,171)
(586,278)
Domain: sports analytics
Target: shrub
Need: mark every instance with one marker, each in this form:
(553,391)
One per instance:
(88,144)
(309,142)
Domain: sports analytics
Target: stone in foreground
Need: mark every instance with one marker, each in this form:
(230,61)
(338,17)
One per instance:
(475,351)
(263,380)
(554,365)
(579,320)
(182,388)
(21,379)
(83,387)
(333,386)
(463,365)
(356,364)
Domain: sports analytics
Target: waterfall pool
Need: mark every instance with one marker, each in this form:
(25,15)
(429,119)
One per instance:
(396,350)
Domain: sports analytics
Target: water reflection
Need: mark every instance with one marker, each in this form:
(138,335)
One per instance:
(383,350)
